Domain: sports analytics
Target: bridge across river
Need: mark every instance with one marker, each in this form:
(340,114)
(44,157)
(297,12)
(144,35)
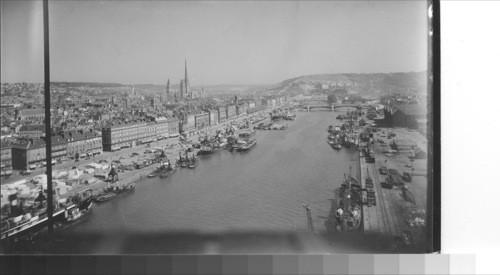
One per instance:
(324,104)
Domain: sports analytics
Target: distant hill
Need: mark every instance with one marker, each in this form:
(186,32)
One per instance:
(377,83)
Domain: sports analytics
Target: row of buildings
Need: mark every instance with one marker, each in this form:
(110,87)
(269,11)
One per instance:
(30,153)
(122,134)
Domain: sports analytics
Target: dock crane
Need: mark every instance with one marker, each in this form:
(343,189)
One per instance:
(309,218)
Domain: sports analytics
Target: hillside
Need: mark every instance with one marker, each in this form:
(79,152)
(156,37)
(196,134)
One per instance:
(365,84)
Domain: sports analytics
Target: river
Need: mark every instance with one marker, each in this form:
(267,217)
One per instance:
(259,190)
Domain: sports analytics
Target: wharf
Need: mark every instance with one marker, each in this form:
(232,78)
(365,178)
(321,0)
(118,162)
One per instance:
(386,217)
(383,218)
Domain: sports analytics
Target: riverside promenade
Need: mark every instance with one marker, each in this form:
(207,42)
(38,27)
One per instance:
(172,147)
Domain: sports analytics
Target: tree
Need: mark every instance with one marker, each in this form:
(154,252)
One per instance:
(331,99)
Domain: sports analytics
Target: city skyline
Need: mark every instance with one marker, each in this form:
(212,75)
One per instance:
(225,43)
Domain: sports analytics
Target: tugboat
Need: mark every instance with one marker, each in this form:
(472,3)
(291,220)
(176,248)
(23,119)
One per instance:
(167,170)
(183,161)
(83,201)
(114,192)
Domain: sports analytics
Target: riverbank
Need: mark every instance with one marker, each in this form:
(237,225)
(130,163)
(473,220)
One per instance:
(127,156)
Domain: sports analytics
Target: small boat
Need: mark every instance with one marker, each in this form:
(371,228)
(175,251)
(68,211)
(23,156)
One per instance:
(192,163)
(167,172)
(155,173)
(248,145)
(290,116)
(247,134)
(337,146)
(77,214)
(184,163)
(276,117)
(112,193)
(205,150)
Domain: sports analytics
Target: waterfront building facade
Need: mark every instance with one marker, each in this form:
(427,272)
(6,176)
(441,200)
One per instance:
(222,114)
(59,148)
(120,135)
(190,124)
(82,143)
(213,117)
(173,125)
(30,154)
(202,120)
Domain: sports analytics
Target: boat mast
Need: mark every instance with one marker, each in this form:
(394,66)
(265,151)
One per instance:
(48,136)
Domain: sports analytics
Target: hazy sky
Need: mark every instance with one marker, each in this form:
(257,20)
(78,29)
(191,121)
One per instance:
(224,42)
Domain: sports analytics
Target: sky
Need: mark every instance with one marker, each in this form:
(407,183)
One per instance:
(229,42)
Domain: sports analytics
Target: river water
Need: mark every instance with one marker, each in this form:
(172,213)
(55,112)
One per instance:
(259,190)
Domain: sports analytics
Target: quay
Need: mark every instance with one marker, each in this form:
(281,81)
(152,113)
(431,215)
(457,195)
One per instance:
(172,147)
(386,219)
